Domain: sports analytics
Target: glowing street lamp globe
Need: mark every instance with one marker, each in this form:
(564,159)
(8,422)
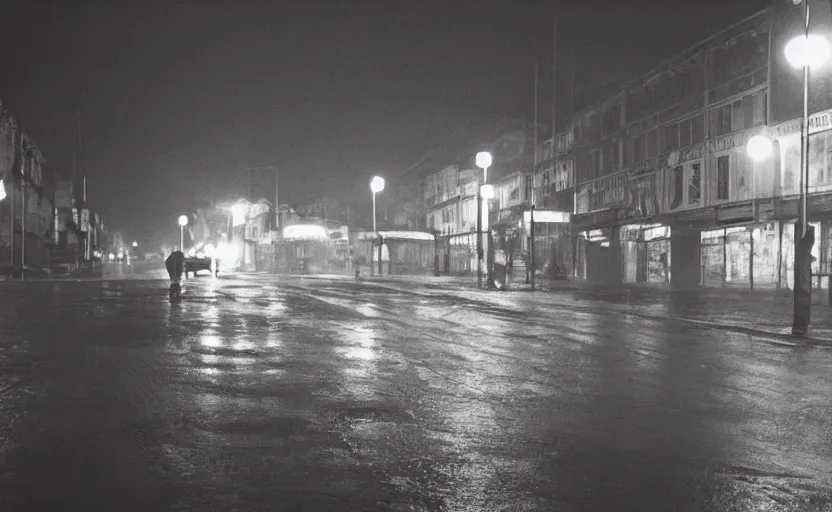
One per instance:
(484,159)
(759,148)
(183,220)
(809,51)
(487,192)
(377,184)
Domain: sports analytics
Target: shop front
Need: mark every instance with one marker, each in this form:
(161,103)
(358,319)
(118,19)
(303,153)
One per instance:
(402,252)
(508,236)
(303,249)
(645,253)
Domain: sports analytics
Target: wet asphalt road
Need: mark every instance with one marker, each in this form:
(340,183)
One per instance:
(336,395)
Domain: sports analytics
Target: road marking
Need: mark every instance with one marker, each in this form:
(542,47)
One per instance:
(775,341)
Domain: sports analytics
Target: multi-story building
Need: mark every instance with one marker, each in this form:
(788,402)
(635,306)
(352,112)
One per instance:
(450,200)
(666,190)
(26,224)
(330,209)
(554,192)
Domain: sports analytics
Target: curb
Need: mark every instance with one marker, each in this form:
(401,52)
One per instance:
(776,337)
(779,338)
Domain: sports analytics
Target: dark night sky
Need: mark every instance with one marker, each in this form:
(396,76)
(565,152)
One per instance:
(176,98)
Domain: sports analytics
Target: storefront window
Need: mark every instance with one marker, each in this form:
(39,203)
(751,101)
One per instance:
(678,186)
(694,187)
(723,169)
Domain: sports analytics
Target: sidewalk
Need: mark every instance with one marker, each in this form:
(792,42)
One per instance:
(764,312)
(761,312)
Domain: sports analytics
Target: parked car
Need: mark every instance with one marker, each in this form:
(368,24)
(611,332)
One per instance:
(194,265)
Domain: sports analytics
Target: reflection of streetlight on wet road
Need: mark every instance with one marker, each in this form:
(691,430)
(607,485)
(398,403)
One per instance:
(183,221)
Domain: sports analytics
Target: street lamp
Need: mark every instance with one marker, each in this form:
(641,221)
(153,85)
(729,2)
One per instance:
(376,186)
(183,221)
(483,161)
(804,52)
(759,148)
(487,192)
(135,244)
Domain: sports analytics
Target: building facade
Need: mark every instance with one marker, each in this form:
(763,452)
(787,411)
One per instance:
(27,234)
(666,191)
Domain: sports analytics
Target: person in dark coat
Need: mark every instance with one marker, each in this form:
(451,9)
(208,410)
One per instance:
(175,263)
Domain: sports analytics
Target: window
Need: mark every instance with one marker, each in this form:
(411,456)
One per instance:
(595,163)
(720,121)
(684,133)
(697,129)
(725,124)
(722,177)
(640,150)
(759,108)
(678,186)
(694,187)
(583,164)
(738,116)
(652,143)
(671,136)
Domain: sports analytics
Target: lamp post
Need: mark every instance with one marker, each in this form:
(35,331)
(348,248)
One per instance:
(804,52)
(183,221)
(483,161)
(11,232)
(376,186)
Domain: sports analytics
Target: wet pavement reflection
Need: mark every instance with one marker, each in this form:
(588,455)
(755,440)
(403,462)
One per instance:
(341,395)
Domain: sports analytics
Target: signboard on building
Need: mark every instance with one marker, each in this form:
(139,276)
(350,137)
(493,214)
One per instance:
(564,177)
(820,122)
(642,197)
(687,154)
(546,217)
(63,194)
(726,142)
(84,225)
(602,193)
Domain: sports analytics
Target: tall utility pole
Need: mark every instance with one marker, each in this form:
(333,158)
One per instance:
(534,169)
(574,175)
(250,184)
(11,223)
(276,197)
(22,207)
(78,165)
(555,119)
